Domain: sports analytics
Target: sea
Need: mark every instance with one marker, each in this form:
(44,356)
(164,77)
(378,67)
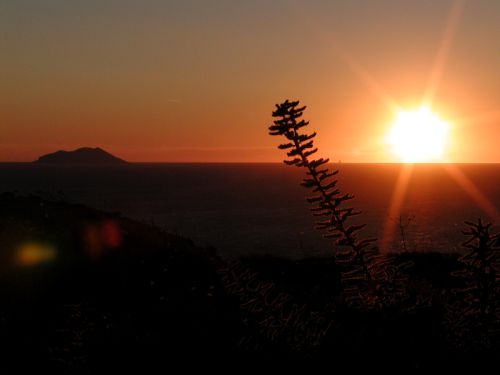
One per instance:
(260,209)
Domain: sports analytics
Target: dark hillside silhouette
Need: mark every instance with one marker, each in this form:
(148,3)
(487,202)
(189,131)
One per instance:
(82,289)
(84,155)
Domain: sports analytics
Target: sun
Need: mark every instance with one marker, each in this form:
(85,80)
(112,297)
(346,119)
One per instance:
(418,136)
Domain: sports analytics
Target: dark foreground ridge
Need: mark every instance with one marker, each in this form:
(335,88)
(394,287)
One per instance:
(81,289)
(84,155)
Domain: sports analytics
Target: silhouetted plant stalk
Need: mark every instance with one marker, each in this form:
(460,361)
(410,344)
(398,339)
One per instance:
(476,309)
(403,224)
(370,279)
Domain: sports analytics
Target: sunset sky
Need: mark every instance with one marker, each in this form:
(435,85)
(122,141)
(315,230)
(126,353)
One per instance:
(157,80)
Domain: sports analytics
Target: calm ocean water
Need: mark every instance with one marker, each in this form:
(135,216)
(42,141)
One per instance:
(260,208)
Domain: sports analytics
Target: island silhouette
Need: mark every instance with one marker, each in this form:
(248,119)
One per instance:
(83,155)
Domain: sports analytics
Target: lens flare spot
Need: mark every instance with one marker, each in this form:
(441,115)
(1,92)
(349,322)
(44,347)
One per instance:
(112,234)
(102,236)
(32,254)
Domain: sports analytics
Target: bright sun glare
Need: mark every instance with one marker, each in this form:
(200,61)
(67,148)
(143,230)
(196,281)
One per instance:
(418,136)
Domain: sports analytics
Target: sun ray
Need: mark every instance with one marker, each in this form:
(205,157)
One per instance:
(443,51)
(364,75)
(485,116)
(353,64)
(395,205)
(473,191)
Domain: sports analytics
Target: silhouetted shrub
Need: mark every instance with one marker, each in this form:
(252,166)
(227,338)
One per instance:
(474,313)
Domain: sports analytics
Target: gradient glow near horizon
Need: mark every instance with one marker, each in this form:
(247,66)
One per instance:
(183,81)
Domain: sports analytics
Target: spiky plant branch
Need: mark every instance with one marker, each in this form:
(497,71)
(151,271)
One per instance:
(477,306)
(365,267)
(482,263)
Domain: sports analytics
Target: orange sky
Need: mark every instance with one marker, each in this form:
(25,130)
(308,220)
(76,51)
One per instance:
(197,80)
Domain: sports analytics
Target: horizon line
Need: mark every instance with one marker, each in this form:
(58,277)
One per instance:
(240,162)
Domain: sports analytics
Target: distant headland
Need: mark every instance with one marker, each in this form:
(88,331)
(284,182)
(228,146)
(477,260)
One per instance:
(84,155)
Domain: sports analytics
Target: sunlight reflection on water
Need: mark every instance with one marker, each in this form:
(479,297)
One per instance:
(260,208)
